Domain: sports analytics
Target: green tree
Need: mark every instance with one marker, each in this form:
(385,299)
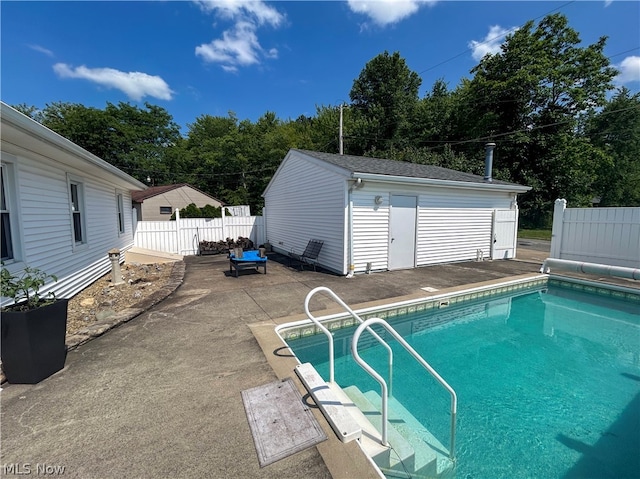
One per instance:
(214,148)
(133,139)
(384,97)
(528,97)
(616,131)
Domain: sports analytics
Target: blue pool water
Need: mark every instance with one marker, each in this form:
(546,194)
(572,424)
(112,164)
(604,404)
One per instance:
(548,382)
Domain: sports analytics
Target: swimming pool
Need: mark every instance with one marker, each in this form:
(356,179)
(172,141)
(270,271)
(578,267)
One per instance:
(547,377)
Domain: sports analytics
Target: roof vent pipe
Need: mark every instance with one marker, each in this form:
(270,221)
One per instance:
(488,161)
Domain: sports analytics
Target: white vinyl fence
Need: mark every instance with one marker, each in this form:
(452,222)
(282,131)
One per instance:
(596,235)
(183,235)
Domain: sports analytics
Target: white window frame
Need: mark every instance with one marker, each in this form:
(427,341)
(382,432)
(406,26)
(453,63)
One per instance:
(11,209)
(81,215)
(120,213)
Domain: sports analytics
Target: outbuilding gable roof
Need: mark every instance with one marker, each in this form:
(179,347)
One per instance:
(140,196)
(380,166)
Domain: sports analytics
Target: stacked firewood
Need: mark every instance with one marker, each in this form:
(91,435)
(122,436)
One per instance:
(223,247)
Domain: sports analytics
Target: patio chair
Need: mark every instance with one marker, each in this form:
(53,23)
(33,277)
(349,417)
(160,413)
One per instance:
(310,254)
(240,260)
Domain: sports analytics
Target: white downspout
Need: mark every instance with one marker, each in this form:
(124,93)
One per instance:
(350,232)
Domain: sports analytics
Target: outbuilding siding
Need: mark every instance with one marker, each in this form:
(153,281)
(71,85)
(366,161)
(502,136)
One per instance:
(340,198)
(306,201)
(453,234)
(454,226)
(370,230)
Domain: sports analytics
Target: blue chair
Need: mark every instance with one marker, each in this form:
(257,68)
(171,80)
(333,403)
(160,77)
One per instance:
(241,260)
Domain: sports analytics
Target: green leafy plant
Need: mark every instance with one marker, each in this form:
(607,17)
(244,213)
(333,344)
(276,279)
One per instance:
(24,288)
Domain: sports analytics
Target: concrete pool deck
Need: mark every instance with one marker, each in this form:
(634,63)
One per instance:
(160,396)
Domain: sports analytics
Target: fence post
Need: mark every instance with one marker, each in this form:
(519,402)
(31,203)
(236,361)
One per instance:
(559,207)
(177,231)
(134,225)
(224,236)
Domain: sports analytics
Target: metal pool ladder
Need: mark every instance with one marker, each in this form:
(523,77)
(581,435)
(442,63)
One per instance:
(386,391)
(354,350)
(330,336)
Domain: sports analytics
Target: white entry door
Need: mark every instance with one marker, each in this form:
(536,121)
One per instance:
(402,232)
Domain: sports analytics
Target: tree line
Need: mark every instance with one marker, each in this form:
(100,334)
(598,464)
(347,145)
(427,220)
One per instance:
(550,105)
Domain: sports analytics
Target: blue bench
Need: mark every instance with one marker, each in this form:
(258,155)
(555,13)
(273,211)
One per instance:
(249,260)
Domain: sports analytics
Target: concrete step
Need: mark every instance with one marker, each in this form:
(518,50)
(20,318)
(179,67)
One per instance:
(431,457)
(398,460)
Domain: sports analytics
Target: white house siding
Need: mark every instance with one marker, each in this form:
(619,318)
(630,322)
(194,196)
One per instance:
(43,234)
(307,201)
(47,232)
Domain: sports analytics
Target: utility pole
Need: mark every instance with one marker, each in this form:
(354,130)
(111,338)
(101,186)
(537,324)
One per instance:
(341,141)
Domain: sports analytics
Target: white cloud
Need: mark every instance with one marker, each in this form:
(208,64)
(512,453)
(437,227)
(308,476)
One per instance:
(40,49)
(490,44)
(258,11)
(135,85)
(629,70)
(386,12)
(239,46)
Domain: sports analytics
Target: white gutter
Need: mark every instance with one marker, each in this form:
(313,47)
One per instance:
(590,268)
(441,183)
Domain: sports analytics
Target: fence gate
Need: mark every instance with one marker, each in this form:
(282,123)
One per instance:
(505,234)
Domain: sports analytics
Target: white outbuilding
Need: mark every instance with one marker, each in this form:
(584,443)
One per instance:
(376,214)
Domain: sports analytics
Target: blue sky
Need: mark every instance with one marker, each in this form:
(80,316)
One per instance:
(249,57)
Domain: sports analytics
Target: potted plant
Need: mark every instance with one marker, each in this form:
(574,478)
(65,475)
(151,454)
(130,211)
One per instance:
(32,328)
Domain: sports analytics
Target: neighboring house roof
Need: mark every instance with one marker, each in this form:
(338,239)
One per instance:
(19,129)
(358,165)
(140,196)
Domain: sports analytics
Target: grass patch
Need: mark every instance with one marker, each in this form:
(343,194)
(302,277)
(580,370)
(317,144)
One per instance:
(535,234)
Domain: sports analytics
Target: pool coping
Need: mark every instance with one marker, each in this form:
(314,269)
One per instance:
(348,459)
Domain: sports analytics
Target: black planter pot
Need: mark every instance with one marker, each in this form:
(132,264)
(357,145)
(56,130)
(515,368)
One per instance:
(33,342)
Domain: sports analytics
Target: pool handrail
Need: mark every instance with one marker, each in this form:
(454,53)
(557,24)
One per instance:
(383,384)
(330,336)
